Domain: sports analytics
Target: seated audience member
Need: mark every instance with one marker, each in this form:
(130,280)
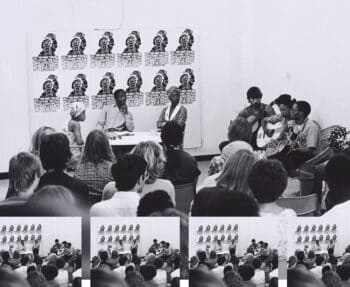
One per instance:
(153,154)
(16,258)
(306,135)
(24,174)
(161,276)
(62,278)
(36,279)
(267,181)
(38,137)
(234,176)
(5,260)
(338,180)
(123,260)
(326,268)
(239,134)
(148,273)
(247,273)
(54,155)
(105,277)
(301,278)
(156,201)
(129,174)
(181,167)
(174,111)
(331,279)
(216,201)
(114,260)
(134,279)
(22,270)
(317,270)
(50,273)
(259,276)
(94,168)
(200,277)
(233,279)
(255,112)
(300,256)
(343,272)
(311,258)
(117,117)
(219,270)
(8,278)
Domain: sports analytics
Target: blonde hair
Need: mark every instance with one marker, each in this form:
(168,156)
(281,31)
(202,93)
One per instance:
(38,138)
(153,154)
(234,175)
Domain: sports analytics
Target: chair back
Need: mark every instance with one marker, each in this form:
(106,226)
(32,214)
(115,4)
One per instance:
(303,205)
(184,195)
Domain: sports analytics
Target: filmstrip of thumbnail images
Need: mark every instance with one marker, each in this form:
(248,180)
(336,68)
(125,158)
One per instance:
(319,252)
(40,252)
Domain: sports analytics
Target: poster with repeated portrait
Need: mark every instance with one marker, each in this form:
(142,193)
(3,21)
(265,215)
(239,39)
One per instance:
(87,66)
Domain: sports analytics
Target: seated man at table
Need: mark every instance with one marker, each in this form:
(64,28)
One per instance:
(129,174)
(117,117)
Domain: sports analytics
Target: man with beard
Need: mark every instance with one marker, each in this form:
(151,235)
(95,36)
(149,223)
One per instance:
(255,112)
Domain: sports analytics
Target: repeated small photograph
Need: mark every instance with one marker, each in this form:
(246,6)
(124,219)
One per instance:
(233,250)
(41,251)
(319,251)
(136,249)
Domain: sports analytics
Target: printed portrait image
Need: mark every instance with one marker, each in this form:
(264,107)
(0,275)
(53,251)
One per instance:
(50,87)
(187,80)
(77,44)
(132,42)
(134,82)
(106,43)
(79,86)
(107,84)
(186,41)
(160,81)
(160,41)
(48,45)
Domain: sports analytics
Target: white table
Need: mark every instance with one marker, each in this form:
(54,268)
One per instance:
(133,138)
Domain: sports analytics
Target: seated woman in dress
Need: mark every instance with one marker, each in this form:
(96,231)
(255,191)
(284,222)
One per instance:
(95,166)
(174,111)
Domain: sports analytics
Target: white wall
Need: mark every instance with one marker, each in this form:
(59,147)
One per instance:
(248,229)
(62,228)
(160,228)
(294,46)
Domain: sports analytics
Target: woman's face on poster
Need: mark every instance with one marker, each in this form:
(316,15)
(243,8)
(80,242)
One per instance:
(75,44)
(77,85)
(158,81)
(158,42)
(130,42)
(105,84)
(104,43)
(132,82)
(47,45)
(185,80)
(48,86)
(184,41)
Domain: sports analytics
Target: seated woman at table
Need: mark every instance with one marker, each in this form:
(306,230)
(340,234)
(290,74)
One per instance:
(117,117)
(181,167)
(94,168)
(174,111)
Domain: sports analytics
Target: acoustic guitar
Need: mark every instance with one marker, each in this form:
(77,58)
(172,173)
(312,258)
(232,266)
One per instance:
(263,139)
(289,143)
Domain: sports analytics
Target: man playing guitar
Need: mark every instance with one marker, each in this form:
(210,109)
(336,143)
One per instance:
(255,112)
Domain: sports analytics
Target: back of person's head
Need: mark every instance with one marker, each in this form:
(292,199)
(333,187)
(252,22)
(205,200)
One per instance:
(234,260)
(239,130)
(129,268)
(212,254)
(105,277)
(286,100)
(331,279)
(5,255)
(24,260)
(104,256)
(343,272)
(214,201)
(228,268)
(254,93)
(301,278)
(134,279)
(267,180)
(246,271)
(148,272)
(200,277)
(300,255)
(60,262)
(97,148)
(202,256)
(257,263)
(77,282)
(114,254)
(273,282)
(123,260)
(38,137)
(233,279)
(127,171)
(31,268)
(155,201)
(153,154)
(36,279)
(234,175)
(304,107)
(52,200)
(326,268)
(49,271)
(221,260)
(311,254)
(24,168)
(158,263)
(172,134)
(336,174)
(319,260)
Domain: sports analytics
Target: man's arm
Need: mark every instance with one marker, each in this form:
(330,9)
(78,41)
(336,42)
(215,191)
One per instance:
(182,117)
(161,121)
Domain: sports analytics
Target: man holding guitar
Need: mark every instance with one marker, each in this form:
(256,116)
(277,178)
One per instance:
(255,112)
